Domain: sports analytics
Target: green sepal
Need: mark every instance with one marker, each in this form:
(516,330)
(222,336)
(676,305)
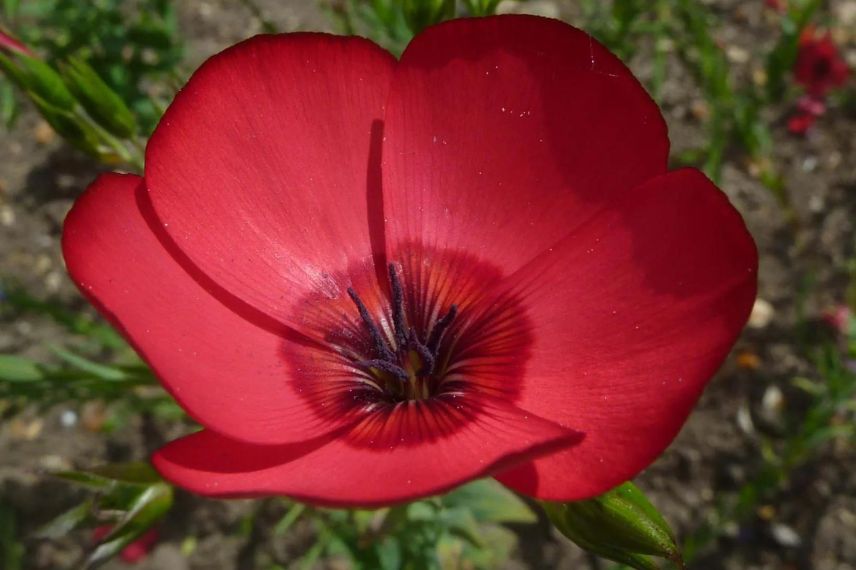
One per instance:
(68,125)
(620,525)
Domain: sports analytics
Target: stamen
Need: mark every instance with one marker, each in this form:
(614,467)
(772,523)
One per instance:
(386,366)
(397,308)
(424,353)
(395,357)
(377,339)
(439,328)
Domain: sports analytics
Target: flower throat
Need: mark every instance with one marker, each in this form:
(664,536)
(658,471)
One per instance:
(409,367)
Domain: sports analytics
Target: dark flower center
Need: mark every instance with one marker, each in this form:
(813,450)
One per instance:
(411,349)
(411,366)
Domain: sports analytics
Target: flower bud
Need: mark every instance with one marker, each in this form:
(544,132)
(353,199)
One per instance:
(620,525)
(99,100)
(68,126)
(39,79)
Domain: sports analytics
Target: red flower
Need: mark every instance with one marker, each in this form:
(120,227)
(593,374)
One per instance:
(136,550)
(372,280)
(800,123)
(777,5)
(819,67)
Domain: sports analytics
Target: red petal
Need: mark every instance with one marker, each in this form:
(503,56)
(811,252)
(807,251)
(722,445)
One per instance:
(509,127)
(418,449)
(228,373)
(259,168)
(633,314)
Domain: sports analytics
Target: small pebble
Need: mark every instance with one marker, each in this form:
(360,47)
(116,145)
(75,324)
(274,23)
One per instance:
(7,216)
(744,420)
(773,402)
(54,463)
(785,535)
(93,415)
(766,512)
(748,360)
(53,281)
(816,204)
(68,419)
(43,133)
(26,429)
(762,314)
(737,54)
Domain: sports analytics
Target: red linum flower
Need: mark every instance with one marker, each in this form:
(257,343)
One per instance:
(819,66)
(373,280)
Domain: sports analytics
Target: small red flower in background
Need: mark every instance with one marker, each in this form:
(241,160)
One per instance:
(819,67)
(809,109)
(800,123)
(8,43)
(373,280)
(136,550)
(839,319)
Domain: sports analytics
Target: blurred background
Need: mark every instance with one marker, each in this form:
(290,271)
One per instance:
(758,93)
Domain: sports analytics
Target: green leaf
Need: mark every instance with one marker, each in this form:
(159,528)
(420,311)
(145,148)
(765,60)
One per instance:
(86,479)
(289,519)
(10,9)
(12,72)
(61,525)
(146,510)
(482,7)
(8,104)
(389,553)
(620,525)
(99,371)
(137,473)
(19,369)
(420,14)
(490,501)
(421,511)
(11,549)
(132,473)
(460,522)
